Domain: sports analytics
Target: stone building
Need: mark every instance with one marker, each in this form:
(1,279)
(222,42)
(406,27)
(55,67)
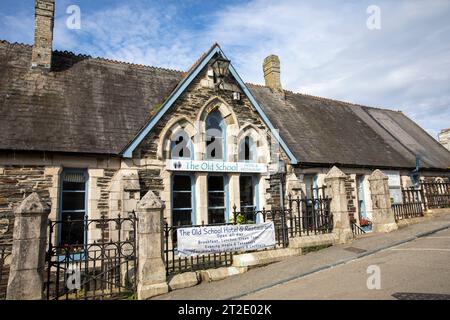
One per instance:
(444,138)
(92,136)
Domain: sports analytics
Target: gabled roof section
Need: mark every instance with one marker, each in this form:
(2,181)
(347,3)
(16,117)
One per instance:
(183,85)
(328,132)
(84,105)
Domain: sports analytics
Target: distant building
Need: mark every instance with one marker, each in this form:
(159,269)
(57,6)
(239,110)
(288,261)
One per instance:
(444,138)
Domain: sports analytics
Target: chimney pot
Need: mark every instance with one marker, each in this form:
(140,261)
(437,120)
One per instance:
(44,18)
(271,68)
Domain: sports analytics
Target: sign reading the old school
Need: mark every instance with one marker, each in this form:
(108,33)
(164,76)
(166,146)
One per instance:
(226,238)
(215,166)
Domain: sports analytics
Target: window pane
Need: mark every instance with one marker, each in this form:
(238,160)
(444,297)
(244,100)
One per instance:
(180,147)
(215,183)
(73,201)
(182,200)
(182,217)
(182,183)
(216,194)
(216,215)
(72,229)
(246,190)
(214,136)
(309,184)
(73,186)
(216,199)
(214,148)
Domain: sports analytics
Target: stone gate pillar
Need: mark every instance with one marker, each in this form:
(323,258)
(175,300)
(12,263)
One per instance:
(26,276)
(382,217)
(335,182)
(151,274)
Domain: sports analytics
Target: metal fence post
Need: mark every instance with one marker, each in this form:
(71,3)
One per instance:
(26,277)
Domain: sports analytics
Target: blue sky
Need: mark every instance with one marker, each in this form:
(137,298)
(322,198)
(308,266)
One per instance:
(325,47)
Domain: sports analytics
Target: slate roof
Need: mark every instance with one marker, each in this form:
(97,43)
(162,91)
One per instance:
(325,131)
(94,105)
(86,105)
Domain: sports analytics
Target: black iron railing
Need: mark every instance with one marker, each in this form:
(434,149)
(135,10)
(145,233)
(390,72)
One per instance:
(356,229)
(175,263)
(303,217)
(412,205)
(309,216)
(5,252)
(277,215)
(103,267)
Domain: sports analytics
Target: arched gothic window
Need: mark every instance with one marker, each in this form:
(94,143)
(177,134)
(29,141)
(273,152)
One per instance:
(181,146)
(215,136)
(247,150)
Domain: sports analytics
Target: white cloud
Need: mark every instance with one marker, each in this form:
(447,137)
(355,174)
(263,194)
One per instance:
(327,50)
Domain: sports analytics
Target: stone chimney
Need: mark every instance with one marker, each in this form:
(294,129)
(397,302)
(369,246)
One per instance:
(271,67)
(43,34)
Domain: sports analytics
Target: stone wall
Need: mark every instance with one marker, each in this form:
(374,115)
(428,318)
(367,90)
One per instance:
(351,196)
(17,182)
(150,179)
(103,184)
(190,106)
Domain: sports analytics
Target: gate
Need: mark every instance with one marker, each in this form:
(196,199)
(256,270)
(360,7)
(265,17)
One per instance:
(103,267)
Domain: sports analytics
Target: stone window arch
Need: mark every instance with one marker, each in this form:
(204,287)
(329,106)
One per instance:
(247,150)
(252,145)
(181,146)
(176,140)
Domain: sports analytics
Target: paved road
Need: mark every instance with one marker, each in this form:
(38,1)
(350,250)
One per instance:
(421,266)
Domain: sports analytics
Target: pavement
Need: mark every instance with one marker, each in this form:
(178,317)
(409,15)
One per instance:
(414,259)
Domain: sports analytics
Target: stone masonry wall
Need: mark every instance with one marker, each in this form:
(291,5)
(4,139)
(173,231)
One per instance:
(350,190)
(17,182)
(103,184)
(189,105)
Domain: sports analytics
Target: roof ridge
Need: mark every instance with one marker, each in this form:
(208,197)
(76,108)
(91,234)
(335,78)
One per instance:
(87,56)
(18,44)
(326,99)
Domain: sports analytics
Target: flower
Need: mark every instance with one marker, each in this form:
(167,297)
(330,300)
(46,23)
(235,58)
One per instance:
(364,222)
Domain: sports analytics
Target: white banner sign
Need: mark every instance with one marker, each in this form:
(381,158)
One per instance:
(215,166)
(226,238)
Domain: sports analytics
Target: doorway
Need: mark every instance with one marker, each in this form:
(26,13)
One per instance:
(362,212)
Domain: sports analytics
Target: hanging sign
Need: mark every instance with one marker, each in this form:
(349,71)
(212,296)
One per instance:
(215,166)
(225,238)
